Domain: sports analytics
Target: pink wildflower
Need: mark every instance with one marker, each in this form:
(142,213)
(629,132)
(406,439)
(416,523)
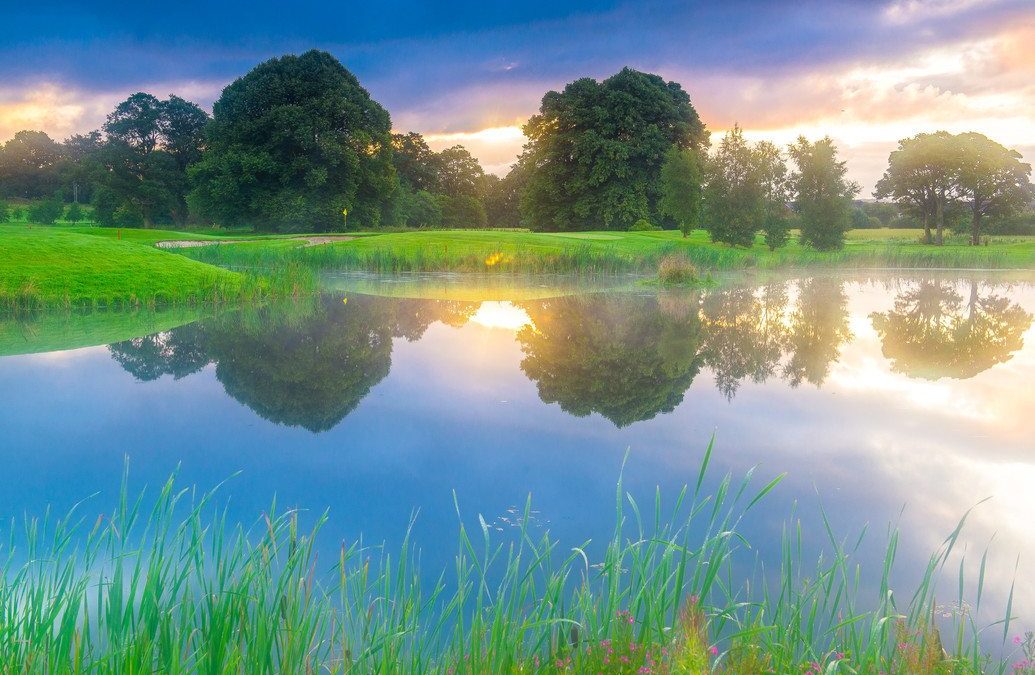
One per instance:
(714,650)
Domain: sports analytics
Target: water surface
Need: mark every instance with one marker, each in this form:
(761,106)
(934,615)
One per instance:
(885,398)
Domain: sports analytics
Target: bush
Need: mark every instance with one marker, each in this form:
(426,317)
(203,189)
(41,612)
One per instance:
(1022,223)
(128,216)
(46,211)
(5,214)
(74,213)
(643,225)
(675,270)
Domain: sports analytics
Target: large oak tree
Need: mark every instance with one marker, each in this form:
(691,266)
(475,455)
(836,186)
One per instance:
(291,145)
(595,151)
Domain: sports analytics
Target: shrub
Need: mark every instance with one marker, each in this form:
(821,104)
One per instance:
(128,216)
(46,211)
(674,270)
(643,225)
(74,213)
(5,214)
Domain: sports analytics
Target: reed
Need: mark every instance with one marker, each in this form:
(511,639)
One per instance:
(168,584)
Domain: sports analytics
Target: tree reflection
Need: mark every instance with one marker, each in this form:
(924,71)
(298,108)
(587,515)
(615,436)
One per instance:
(306,365)
(746,334)
(818,328)
(178,353)
(932,332)
(626,357)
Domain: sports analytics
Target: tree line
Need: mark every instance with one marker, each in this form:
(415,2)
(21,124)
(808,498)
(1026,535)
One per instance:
(297,144)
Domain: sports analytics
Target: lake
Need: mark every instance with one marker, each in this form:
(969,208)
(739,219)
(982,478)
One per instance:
(885,398)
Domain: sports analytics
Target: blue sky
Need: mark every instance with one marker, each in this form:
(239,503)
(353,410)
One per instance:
(866,72)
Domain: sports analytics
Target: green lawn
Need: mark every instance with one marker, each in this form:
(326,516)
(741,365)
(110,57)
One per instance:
(43,266)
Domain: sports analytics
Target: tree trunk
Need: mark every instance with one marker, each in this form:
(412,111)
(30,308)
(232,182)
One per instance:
(927,225)
(975,238)
(940,216)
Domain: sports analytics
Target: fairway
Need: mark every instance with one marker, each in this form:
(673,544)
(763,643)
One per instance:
(47,267)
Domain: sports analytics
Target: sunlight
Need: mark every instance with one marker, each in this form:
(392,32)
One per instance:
(503,315)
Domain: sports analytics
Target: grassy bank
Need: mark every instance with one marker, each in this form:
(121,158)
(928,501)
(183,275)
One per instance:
(166,585)
(611,252)
(44,267)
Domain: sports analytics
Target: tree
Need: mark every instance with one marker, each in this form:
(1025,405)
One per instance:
(182,125)
(822,193)
(81,169)
(734,199)
(595,151)
(415,163)
(922,178)
(291,145)
(74,213)
(681,196)
(502,196)
(992,179)
(148,148)
(459,174)
(771,172)
(29,165)
(463,211)
(46,211)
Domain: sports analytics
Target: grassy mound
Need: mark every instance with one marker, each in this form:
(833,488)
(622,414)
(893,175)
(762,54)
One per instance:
(41,267)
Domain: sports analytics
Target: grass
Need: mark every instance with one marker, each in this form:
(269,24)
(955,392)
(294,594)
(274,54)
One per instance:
(92,266)
(168,585)
(611,252)
(57,267)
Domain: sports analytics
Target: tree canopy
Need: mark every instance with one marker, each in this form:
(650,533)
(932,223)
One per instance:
(595,150)
(292,145)
(822,193)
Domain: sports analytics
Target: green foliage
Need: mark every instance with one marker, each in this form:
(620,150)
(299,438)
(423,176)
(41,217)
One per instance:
(502,197)
(595,151)
(822,194)
(737,197)
(143,162)
(459,174)
(5,213)
(291,145)
(961,181)
(127,215)
(29,164)
(681,191)
(46,211)
(74,213)
(993,179)
(643,225)
(462,212)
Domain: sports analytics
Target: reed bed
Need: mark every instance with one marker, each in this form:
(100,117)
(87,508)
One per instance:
(597,257)
(167,584)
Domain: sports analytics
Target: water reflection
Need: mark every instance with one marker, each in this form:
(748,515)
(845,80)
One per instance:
(627,356)
(305,365)
(932,332)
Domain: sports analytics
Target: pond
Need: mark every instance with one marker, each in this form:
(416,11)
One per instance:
(904,399)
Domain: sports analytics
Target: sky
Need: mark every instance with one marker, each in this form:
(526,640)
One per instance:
(865,72)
